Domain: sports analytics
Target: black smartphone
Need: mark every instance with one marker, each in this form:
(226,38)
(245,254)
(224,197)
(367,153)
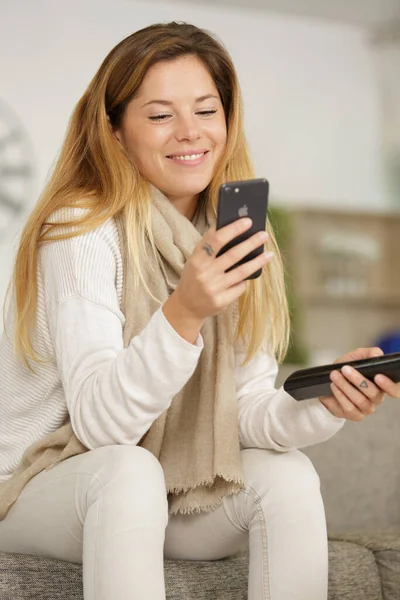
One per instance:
(243,199)
(315,382)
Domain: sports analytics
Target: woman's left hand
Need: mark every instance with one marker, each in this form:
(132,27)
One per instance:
(353,396)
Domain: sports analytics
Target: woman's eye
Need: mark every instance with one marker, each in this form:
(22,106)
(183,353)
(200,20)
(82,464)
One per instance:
(206,113)
(163,117)
(159,117)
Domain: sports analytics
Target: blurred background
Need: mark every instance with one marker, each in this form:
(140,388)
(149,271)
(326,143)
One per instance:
(321,90)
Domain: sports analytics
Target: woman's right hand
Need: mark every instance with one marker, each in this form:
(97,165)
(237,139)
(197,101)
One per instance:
(205,289)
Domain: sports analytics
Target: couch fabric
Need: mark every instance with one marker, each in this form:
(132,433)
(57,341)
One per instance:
(354,575)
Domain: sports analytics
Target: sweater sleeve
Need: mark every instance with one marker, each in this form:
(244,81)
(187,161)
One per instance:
(270,417)
(113,394)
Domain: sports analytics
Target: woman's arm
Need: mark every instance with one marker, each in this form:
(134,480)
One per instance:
(271,418)
(113,393)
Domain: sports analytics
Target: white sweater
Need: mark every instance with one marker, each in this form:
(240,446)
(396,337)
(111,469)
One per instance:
(113,394)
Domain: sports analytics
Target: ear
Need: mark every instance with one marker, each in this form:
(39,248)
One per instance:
(115,132)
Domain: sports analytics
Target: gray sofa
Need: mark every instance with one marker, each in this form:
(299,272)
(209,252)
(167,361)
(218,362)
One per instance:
(360,477)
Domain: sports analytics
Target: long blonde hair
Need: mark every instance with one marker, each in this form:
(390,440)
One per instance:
(94,172)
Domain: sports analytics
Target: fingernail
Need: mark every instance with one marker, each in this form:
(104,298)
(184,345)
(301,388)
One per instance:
(269,254)
(347,370)
(246,221)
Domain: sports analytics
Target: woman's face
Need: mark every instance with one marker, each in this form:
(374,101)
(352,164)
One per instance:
(174,128)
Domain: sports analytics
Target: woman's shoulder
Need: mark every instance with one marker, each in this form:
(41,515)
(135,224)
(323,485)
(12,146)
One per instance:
(64,214)
(76,216)
(71,219)
(86,264)
(71,247)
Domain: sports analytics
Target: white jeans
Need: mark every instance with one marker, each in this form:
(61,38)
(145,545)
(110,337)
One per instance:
(107,508)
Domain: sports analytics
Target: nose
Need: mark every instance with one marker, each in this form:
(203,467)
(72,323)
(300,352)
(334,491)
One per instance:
(187,129)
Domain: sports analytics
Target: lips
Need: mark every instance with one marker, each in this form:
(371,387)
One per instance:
(189,156)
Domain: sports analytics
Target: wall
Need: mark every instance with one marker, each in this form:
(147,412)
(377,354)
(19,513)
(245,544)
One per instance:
(311,101)
(387,53)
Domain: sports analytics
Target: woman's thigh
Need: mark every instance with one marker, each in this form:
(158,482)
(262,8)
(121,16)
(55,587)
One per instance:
(203,536)
(273,481)
(49,516)
(44,520)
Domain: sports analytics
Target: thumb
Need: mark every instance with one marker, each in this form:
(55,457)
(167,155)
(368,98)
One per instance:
(360,353)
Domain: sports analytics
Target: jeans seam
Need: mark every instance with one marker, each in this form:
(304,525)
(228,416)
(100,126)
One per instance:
(264,539)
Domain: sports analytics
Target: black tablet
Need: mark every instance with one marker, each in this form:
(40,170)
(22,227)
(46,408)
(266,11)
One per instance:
(315,382)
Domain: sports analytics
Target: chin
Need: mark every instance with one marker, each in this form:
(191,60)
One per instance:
(191,189)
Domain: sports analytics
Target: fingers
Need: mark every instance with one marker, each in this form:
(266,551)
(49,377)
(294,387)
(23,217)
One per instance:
(235,254)
(357,396)
(214,240)
(359,354)
(388,386)
(248,268)
(367,387)
(375,351)
(232,293)
(203,287)
(349,410)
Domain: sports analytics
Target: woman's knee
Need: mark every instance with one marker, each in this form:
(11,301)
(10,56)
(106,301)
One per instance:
(279,473)
(125,478)
(128,462)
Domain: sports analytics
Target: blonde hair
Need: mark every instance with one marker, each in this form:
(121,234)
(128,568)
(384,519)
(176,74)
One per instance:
(93,172)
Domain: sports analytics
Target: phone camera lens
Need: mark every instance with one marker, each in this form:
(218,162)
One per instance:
(228,189)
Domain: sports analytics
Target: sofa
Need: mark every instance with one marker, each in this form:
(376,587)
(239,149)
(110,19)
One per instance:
(359,470)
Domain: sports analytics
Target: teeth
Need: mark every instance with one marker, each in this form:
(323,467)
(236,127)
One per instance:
(189,156)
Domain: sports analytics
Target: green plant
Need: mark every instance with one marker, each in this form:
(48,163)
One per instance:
(280,221)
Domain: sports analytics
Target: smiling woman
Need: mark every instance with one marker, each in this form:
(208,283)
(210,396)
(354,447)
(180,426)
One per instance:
(163,93)
(174,130)
(138,409)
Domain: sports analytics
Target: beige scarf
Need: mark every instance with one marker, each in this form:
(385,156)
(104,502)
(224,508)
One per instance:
(196,440)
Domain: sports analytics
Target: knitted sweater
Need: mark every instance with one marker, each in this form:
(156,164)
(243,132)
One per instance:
(113,394)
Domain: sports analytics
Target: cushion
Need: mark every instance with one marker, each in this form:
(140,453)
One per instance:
(354,575)
(386,549)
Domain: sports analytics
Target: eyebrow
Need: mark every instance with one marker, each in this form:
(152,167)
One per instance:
(168,103)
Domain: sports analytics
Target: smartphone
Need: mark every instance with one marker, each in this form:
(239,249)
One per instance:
(315,382)
(238,199)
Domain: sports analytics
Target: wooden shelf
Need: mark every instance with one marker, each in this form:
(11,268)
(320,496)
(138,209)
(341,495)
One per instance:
(346,251)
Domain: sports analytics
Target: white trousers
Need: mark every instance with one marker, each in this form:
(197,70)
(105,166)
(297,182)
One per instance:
(107,508)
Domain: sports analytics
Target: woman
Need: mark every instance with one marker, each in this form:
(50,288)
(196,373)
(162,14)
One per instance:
(138,414)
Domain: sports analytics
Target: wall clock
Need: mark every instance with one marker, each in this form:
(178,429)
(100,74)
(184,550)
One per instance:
(16,170)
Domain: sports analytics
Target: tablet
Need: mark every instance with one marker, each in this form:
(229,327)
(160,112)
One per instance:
(315,382)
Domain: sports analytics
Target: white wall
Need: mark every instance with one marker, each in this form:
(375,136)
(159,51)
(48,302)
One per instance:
(309,88)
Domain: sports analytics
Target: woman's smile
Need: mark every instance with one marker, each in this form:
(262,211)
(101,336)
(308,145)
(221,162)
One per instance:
(190,158)
(174,129)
